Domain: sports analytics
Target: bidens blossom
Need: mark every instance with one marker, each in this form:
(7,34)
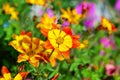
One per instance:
(61,41)
(6,75)
(70,15)
(36,2)
(31,49)
(10,10)
(107,25)
(46,22)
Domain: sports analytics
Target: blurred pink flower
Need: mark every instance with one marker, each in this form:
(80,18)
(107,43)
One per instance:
(117,5)
(91,17)
(89,6)
(110,69)
(89,23)
(65,23)
(112,42)
(102,52)
(105,42)
(50,12)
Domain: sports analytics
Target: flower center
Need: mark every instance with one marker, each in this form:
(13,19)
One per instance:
(59,40)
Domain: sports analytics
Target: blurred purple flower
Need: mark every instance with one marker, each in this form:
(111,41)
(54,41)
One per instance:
(65,23)
(91,17)
(117,5)
(105,41)
(29,79)
(50,12)
(112,42)
(89,23)
(89,6)
(102,52)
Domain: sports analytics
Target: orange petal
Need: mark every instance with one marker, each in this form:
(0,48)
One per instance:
(44,31)
(34,61)
(75,36)
(4,70)
(56,26)
(43,57)
(76,43)
(21,76)
(67,30)
(52,61)
(55,77)
(47,45)
(27,33)
(6,73)
(22,57)
(22,32)
(66,54)
(113,28)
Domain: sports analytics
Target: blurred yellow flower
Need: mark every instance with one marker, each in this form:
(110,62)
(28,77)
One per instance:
(71,15)
(107,25)
(7,76)
(46,22)
(84,44)
(10,10)
(37,2)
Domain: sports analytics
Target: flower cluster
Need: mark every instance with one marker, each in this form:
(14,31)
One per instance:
(10,10)
(59,41)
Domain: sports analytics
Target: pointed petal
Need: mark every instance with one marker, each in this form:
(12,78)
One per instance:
(44,31)
(34,61)
(21,76)
(76,43)
(52,61)
(55,77)
(6,74)
(67,30)
(47,45)
(22,57)
(66,54)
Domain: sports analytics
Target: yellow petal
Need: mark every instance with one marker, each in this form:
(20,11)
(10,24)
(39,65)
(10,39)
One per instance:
(68,41)
(21,76)
(53,43)
(22,57)
(34,61)
(51,35)
(6,74)
(62,34)
(63,47)
(1,78)
(18,77)
(52,61)
(56,32)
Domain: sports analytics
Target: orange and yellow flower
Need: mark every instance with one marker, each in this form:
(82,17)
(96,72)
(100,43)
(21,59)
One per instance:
(7,75)
(84,44)
(31,49)
(107,25)
(61,41)
(37,2)
(71,15)
(47,23)
(10,10)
